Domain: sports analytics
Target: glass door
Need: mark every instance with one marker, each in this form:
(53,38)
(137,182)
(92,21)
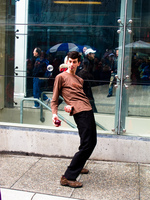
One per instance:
(132,113)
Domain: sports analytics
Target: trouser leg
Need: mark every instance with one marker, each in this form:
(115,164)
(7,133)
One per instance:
(111,84)
(88,137)
(112,81)
(36,90)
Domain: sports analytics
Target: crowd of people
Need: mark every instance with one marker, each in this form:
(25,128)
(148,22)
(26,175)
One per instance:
(140,70)
(101,67)
(94,70)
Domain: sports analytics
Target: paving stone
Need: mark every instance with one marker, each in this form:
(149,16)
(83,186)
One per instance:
(13,167)
(8,194)
(108,180)
(44,177)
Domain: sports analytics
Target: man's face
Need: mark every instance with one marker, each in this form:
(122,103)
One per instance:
(72,64)
(84,49)
(35,53)
(91,56)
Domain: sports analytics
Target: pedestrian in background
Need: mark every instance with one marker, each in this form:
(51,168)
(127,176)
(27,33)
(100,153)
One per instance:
(39,71)
(87,75)
(113,59)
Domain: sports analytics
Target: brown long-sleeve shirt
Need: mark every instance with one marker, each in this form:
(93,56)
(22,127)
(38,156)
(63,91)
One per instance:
(71,88)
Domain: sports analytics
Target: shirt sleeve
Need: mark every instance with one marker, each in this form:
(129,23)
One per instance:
(56,92)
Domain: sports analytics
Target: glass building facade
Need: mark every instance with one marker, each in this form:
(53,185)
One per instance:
(119,31)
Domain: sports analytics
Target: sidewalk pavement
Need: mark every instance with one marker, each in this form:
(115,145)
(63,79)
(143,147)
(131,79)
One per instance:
(38,178)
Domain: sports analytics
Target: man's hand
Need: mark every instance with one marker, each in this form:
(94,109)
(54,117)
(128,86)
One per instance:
(68,108)
(56,121)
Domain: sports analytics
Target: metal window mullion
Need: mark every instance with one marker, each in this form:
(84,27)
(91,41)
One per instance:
(122,69)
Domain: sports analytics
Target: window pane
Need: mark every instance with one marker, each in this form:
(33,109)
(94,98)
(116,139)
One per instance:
(137,65)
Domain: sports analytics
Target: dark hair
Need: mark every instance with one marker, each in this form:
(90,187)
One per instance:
(74,55)
(38,50)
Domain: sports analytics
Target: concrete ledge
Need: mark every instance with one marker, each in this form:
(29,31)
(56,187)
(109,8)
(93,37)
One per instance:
(57,142)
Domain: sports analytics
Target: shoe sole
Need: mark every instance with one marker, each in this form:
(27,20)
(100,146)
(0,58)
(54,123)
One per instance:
(67,185)
(84,172)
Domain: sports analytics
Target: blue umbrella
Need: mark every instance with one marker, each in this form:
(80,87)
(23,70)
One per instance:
(79,48)
(62,47)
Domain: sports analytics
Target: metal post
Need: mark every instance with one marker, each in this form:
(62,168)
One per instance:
(41,109)
(122,67)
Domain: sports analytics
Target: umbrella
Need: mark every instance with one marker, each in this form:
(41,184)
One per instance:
(62,47)
(137,45)
(79,48)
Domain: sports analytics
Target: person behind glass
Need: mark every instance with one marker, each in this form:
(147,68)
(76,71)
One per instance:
(70,86)
(113,67)
(82,53)
(39,70)
(87,75)
(63,67)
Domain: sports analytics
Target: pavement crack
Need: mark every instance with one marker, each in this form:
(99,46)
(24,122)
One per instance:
(33,196)
(26,172)
(139,177)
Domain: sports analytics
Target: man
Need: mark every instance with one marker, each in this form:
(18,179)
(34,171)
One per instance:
(113,67)
(89,58)
(70,86)
(82,53)
(39,70)
(87,75)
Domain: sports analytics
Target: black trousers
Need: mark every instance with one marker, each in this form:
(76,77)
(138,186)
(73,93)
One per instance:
(88,138)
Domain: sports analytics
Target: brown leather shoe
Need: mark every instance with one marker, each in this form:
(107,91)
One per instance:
(73,184)
(84,171)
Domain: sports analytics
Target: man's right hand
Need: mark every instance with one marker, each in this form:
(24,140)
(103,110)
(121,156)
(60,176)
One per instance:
(55,118)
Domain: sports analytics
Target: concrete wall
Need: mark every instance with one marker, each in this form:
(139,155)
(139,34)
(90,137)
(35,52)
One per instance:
(57,142)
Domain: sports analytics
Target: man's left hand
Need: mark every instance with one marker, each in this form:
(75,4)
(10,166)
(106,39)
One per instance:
(68,108)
